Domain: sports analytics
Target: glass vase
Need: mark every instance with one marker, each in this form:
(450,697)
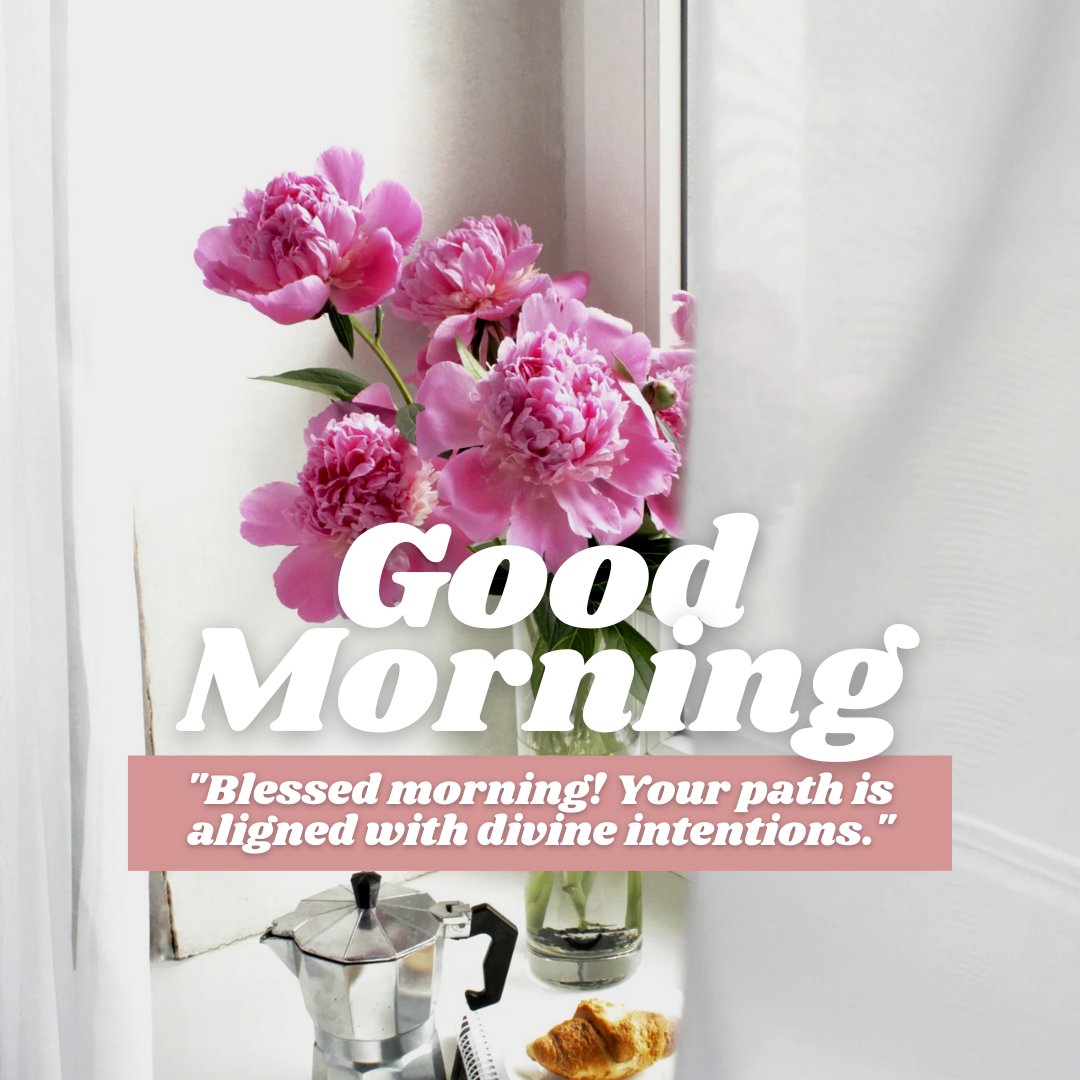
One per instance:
(583,927)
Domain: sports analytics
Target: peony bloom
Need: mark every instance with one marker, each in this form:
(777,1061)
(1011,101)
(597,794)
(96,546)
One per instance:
(485,266)
(670,376)
(684,317)
(482,270)
(360,472)
(672,370)
(305,241)
(555,446)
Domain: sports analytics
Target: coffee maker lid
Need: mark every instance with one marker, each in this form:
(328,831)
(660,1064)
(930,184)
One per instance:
(362,923)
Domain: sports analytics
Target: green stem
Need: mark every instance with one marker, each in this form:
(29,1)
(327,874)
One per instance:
(574,887)
(588,879)
(373,343)
(537,897)
(633,900)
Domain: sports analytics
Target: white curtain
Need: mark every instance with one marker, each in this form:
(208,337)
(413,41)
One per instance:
(74,989)
(887,249)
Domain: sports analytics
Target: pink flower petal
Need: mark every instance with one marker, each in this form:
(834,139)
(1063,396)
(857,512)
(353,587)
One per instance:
(630,510)
(307,579)
(293,303)
(521,257)
(473,497)
(666,510)
(373,399)
(606,333)
(542,310)
(572,286)
(389,206)
(587,508)
(635,352)
(683,318)
(448,420)
(663,361)
(366,274)
(345,170)
(376,399)
(614,337)
(651,461)
(339,222)
(213,252)
(442,348)
(420,368)
(336,410)
(214,245)
(225,269)
(266,515)
(538,523)
(457,551)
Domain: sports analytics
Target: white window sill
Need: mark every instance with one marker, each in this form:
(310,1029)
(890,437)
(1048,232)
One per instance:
(673,744)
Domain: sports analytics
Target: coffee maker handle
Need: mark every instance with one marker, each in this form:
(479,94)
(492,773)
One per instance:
(503,934)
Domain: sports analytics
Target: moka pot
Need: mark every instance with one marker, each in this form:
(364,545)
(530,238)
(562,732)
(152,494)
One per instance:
(369,964)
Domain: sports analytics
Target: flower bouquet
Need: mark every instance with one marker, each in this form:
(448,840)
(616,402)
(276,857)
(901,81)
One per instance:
(530,419)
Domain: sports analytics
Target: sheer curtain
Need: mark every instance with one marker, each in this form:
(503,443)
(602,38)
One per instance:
(887,250)
(74,994)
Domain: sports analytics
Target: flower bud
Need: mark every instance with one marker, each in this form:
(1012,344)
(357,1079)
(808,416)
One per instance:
(660,394)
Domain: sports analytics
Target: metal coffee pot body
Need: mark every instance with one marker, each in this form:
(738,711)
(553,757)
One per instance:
(369,962)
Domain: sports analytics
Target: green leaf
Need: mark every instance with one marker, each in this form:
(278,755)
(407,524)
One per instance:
(584,641)
(548,626)
(622,370)
(539,649)
(668,433)
(648,527)
(406,420)
(652,547)
(629,385)
(468,361)
(640,650)
(378,323)
(343,330)
(334,382)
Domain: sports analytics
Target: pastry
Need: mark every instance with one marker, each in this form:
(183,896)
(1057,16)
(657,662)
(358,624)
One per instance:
(602,1041)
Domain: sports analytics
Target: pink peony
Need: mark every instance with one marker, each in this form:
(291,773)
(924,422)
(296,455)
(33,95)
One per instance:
(684,317)
(556,446)
(360,472)
(305,241)
(485,266)
(670,375)
(482,270)
(672,369)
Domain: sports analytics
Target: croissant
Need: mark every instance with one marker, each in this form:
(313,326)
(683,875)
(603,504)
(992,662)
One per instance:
(602,1041)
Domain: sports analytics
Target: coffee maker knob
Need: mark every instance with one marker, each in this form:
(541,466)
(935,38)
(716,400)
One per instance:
(365,887)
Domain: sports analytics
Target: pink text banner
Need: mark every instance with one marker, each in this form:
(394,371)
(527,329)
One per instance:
(670,812)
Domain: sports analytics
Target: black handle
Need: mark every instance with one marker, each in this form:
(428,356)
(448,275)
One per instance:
(503,934)
(365,887)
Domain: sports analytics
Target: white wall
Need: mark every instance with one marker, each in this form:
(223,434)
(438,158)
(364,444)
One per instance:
(175,110)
